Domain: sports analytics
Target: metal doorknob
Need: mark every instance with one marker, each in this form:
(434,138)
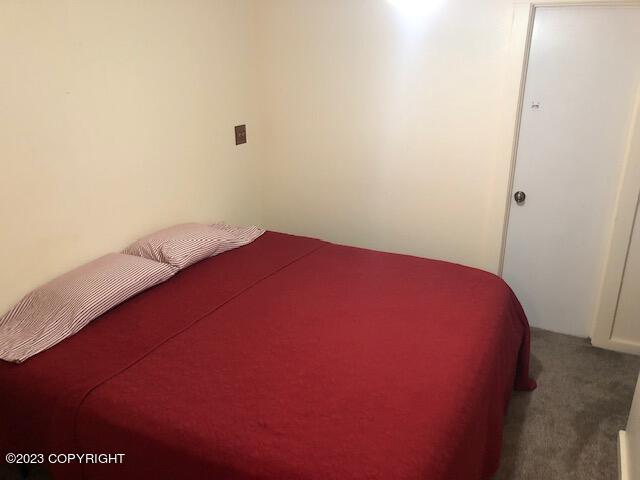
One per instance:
(520,197)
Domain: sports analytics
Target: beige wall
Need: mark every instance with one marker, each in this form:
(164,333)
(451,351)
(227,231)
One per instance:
(390,133)
(116,117)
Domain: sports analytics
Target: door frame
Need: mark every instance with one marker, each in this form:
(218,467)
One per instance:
(627,214)
(625,209)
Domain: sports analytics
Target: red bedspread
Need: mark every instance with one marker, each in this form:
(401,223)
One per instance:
(289,358)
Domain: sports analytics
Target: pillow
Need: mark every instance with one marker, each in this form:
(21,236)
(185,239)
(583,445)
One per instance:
(188,243)
(65,305)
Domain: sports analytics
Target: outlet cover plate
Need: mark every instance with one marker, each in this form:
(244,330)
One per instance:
(241,134)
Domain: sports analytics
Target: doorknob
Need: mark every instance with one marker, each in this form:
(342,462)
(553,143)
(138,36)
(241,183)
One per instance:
(520,197)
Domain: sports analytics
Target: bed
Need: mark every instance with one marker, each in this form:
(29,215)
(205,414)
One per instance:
(289,358)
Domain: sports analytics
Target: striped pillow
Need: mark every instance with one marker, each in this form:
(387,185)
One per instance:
(65,305)
(188,243)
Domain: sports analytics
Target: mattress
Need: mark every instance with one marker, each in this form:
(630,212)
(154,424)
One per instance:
(289,358)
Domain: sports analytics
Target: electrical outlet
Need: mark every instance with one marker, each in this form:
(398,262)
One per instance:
(241,134)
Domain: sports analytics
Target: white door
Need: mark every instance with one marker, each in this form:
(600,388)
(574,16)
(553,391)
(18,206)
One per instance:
(582,77)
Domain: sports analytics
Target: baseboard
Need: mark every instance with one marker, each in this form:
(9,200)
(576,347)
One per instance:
(623,459)
(617,345)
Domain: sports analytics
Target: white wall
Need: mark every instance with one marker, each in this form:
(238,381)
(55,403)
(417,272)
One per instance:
(364,127)
(629,446)
(116,117)
(388,132)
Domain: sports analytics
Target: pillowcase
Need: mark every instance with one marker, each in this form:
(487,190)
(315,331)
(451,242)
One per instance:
(62,307)
(188,243)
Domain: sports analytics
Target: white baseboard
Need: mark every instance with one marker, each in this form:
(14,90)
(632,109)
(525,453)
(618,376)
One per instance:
(617,345)
(623,459)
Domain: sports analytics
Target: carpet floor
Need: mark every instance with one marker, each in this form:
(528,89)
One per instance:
(567,428)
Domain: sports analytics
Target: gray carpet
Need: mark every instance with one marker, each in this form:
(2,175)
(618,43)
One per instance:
(567,428)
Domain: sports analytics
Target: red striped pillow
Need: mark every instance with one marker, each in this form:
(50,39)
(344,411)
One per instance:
(188,243)
(65,305)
